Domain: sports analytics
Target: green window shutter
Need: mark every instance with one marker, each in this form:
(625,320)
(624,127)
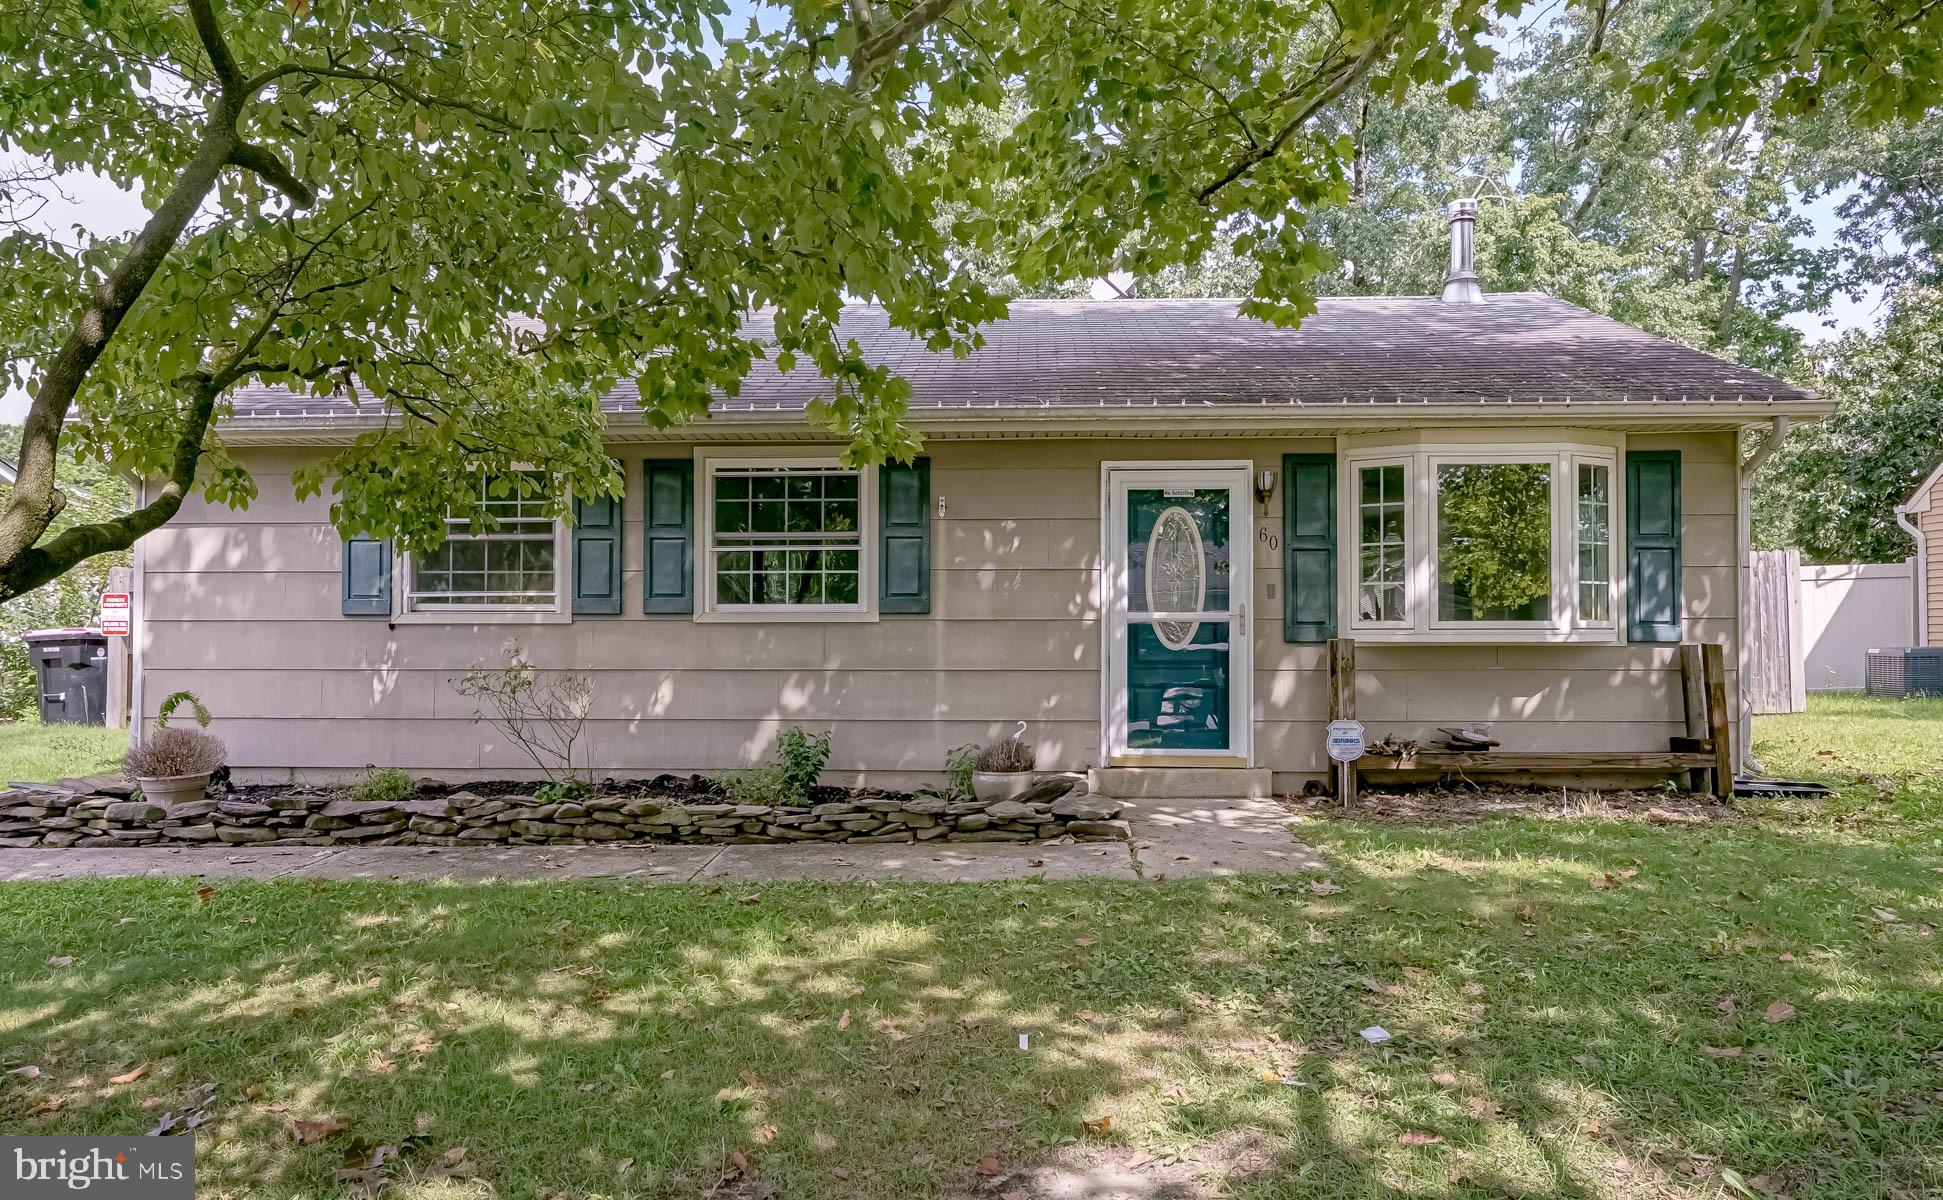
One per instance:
(904,537)
(668,535)
(1653,546)
(367,577)
(597,555)
(1308,547)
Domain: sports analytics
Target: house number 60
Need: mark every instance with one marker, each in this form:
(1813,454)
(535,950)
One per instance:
(1267,537)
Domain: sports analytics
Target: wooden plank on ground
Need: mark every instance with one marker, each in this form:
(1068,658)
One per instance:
(1693,691)
(1545,760)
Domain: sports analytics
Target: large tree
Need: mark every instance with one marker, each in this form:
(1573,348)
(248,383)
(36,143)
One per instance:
(478,217)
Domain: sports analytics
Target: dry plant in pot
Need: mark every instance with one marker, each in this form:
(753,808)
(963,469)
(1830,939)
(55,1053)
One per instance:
(1004,769)
(174,765)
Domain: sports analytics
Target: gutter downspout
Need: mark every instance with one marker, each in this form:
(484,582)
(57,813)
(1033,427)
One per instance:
(1919,573)
(1744,471)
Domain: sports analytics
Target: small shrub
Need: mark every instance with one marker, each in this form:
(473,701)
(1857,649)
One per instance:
(960,762)
(762,785)
(801,755)
(1007,757)
(565,789)
(169,752)
(543,715)
(385,784)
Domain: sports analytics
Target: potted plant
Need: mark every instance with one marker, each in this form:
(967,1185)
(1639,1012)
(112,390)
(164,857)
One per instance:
(173,765)
(1004,769)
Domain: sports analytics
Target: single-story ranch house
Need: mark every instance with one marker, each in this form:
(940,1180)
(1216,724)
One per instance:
(1134,527)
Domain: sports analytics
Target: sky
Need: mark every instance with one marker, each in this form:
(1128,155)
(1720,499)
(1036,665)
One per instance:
(104,210)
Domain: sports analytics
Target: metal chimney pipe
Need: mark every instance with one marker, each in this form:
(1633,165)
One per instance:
(1460,285)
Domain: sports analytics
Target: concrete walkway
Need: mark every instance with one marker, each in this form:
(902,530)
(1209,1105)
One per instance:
(1172,839)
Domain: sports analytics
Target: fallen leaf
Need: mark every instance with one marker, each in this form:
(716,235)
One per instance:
(750,1080)
(1446,1079)
(1037,862)
(668,1074)
(1481,1106)
(1524,912)
(204,893)
(61,960)
(1778,1012)
(1414,1138)
(751,898)
(1629,873)
(843,1022)
(766,1134)
(739,1161)
(989,1168)
(1604,882)
(1084,941)
(1086,1014)
(1887,916)
(1183,858)
(1323,887)
(149,1102)
(620,1168)
(252,1091)
(1721,1051)
(307,1132)
(30,1071)
(457,1154)
(1786,958)
(1727,1006)
(1101,1125)
(1473,989)
(129,1076)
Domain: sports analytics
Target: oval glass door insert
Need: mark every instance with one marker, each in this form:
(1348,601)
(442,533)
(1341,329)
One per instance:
(1177,577)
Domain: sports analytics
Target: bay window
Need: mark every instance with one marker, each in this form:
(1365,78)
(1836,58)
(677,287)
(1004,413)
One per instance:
(1480,544)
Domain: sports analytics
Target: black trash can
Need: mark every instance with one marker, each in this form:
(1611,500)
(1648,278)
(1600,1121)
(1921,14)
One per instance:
(71,666)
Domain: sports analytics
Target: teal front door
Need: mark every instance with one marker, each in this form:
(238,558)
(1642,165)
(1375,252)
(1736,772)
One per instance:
(1177,588)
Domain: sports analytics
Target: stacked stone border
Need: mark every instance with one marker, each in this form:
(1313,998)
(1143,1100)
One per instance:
(78,812)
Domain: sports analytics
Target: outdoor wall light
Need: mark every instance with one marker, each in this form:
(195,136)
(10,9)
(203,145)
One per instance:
(1264,486)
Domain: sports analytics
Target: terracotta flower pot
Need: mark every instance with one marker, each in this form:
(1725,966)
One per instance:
(173,789)
(993,786)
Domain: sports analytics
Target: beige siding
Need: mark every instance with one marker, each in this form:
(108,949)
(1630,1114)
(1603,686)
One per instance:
(242,608)
(1931,523)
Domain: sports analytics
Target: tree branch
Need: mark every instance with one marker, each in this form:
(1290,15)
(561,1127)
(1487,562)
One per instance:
(268,167)
(41,564)
(871,54)
(1346,75)
(203,13)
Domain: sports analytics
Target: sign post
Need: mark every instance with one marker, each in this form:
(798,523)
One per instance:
(116,610)
(1345,746)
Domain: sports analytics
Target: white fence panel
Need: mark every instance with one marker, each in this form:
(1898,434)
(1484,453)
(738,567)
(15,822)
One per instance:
(1849,610)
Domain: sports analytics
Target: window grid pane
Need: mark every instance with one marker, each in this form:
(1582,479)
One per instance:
(1595,542)
(510,564)
(1380,591)
(787,537)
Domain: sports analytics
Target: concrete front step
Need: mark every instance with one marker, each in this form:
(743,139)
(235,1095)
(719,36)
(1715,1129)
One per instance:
(1181,783)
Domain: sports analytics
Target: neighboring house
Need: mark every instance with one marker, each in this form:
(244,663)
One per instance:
(1922,516)
(1134,526)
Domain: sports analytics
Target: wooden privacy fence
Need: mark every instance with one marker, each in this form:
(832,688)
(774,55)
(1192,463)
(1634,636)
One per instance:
(1704,756)
(1811,628)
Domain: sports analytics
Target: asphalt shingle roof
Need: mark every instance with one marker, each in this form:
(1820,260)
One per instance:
(1089,354)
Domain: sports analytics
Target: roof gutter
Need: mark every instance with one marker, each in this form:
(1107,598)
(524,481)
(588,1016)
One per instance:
(1317,418)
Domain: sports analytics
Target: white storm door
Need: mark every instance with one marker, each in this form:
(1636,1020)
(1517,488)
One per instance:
(1177,588)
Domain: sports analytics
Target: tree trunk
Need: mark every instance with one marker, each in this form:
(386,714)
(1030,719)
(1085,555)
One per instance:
(1736,275)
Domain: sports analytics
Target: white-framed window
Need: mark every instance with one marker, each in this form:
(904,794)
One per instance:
(787,538)
(1481,543)
(514,565)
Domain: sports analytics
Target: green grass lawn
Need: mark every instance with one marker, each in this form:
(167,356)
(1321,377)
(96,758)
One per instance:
(1885,755)
(1552,1037)
(37,753)
(1580,1008)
